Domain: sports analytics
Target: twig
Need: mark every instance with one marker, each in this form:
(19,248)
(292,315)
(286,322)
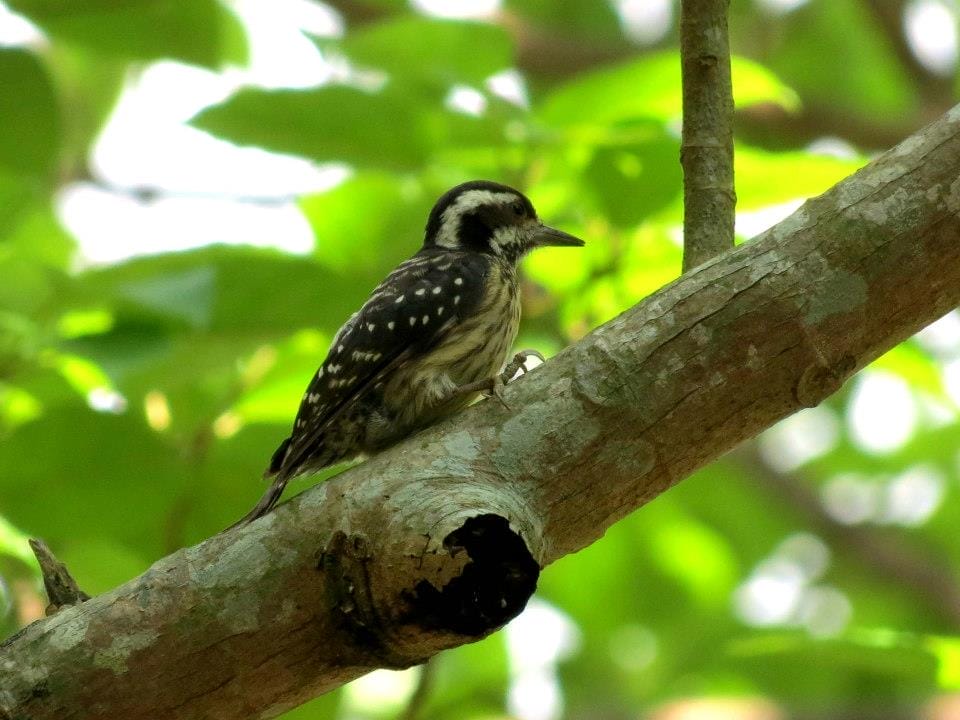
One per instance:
(706,151)
(62,589)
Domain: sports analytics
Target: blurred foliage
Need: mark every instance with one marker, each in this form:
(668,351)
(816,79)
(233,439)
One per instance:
(140,400)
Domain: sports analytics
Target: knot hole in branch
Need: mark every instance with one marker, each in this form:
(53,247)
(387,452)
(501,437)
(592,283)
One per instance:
(492,588)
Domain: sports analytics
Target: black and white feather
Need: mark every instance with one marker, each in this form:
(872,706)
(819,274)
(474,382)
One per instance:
(443,320)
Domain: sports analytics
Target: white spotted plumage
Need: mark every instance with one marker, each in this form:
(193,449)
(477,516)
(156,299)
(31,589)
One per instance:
(439,324)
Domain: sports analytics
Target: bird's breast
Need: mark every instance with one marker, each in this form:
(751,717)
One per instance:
(478,345)
(474,349)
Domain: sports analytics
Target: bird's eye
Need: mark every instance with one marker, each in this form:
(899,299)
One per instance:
(517,208)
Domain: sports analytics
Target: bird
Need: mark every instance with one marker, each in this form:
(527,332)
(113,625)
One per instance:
(430,338)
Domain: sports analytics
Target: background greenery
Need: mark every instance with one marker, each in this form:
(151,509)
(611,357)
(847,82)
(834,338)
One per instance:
(813,574)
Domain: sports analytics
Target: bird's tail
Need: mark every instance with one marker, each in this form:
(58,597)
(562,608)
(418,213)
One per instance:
(276,460)
(278,477)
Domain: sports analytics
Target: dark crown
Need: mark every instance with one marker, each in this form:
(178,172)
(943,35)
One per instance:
(471,212)
(487,217)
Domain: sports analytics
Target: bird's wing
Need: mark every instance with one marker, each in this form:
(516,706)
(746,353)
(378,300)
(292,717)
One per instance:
(406,315)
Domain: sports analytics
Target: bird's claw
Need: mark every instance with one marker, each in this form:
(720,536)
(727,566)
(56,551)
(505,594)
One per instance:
(519,364)
(497,384)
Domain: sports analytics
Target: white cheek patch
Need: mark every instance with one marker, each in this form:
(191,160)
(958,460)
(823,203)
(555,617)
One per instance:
(470,200)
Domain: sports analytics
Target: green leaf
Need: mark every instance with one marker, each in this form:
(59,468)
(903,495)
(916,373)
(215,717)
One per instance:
(83,375)
(767,178)
(650,88)
(711,579)
(392,129)
(36,233)
(572,18)
(835,55)
(330,123)
(442,52)
(90,85)
(632,181)
(202,32)
(275,396)
(187,295)
(14,543)
(17,407)
(947,652)
(366,242)
(29,142)
(74,473)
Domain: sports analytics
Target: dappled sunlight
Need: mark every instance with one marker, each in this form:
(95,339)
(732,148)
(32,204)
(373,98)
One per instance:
(156,409)
(460,9)
(804,436)
(221,193)
(381,692)
(852,499)
(784,590)
(540,638)
(227,425)
(16,30)
(943,336)
(779,7)
(645,21)
(882,415)
(931,29)
(466,100)
(114,227)
(511,86)
(751,224)
(194,196)
(909,498)
(634,648)
(913,496)
(719,709)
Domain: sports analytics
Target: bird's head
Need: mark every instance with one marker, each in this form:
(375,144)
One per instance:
(486,217)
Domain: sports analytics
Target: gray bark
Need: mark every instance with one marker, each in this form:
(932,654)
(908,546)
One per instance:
(438,541)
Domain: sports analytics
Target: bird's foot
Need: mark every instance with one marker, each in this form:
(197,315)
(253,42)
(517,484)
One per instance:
(490,387)
(493,387)
(519,364)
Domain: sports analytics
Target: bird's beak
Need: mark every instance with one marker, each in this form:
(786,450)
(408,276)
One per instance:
(544,236)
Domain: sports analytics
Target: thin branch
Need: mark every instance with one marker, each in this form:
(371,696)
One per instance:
(706,151)
(439,541)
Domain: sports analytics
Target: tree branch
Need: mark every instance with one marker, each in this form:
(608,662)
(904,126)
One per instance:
(706,150)
(438,541)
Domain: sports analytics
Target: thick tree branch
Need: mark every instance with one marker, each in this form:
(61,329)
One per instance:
(438,541)
(706,150)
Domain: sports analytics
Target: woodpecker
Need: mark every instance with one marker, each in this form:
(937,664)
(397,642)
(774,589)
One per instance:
(433,335)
